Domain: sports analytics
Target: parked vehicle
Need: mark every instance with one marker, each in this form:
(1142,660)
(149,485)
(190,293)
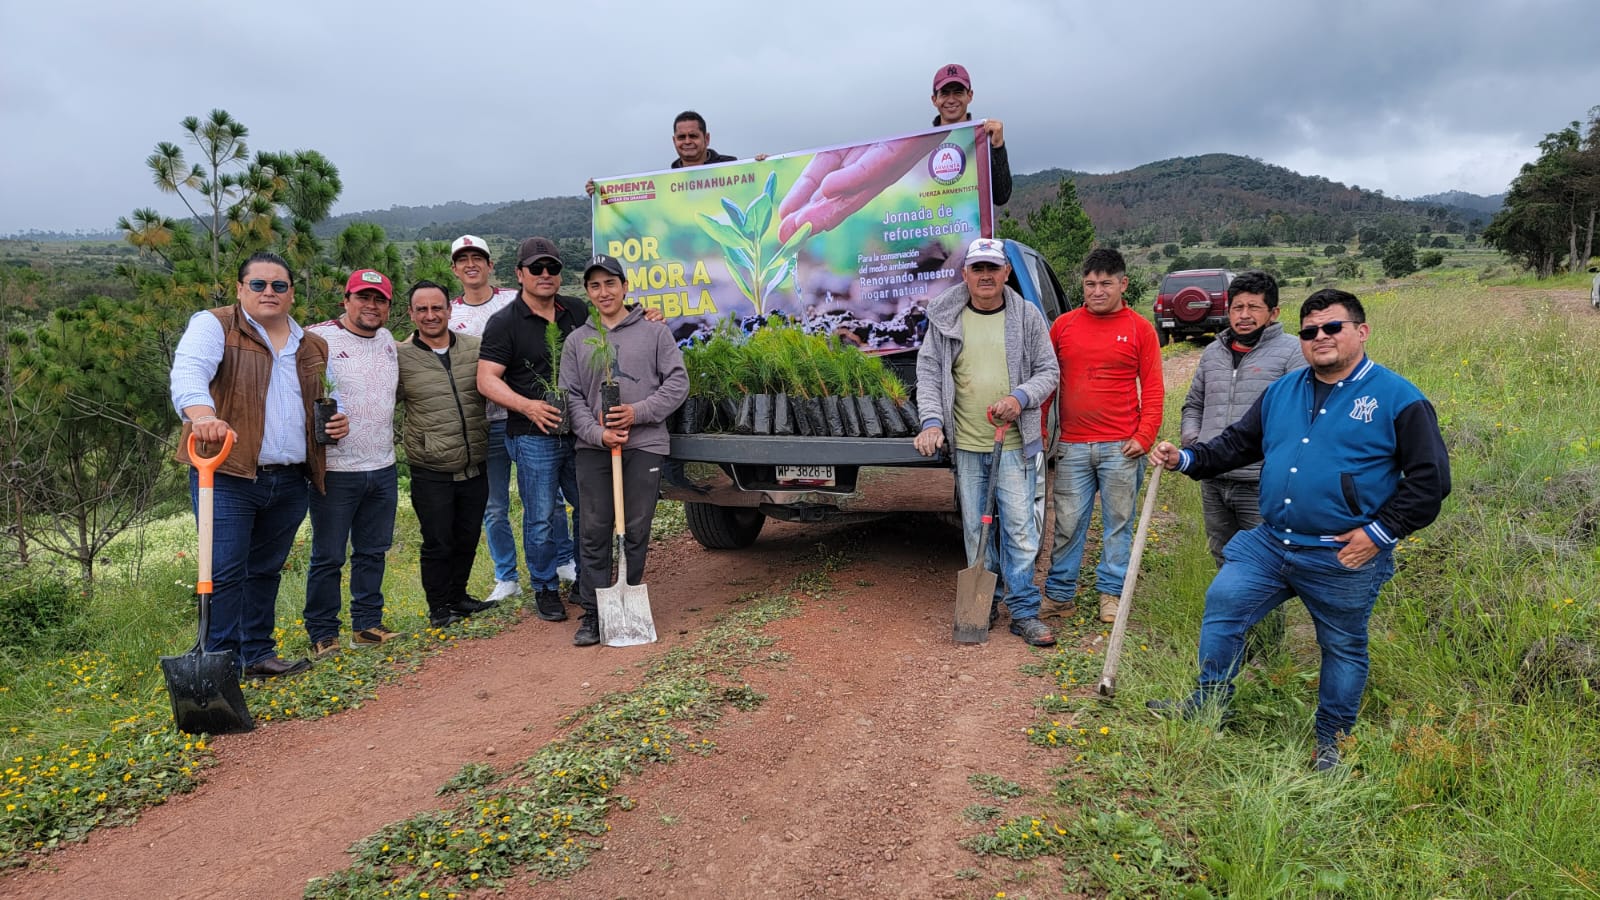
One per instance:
(731,484)
(1191,303)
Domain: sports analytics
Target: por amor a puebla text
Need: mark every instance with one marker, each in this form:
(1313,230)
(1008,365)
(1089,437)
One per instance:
(655,276)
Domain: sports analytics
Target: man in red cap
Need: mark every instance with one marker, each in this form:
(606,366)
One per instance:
(952,94)
(358,506)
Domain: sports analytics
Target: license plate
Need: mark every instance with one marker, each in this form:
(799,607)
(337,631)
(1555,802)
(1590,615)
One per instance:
(809,476)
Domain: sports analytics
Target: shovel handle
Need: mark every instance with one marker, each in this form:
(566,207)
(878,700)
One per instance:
(616,488)
(207,465)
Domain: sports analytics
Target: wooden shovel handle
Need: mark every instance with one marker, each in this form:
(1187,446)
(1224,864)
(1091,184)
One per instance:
(206,468)
(616,487)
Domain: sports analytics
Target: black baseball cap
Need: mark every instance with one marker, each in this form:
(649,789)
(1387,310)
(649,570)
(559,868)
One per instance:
(608,263)
(537,248)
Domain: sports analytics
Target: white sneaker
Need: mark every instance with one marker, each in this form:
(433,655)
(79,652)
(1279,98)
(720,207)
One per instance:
(504,590)
(568,572)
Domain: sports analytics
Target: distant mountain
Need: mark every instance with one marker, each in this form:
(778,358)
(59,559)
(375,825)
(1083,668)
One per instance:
(1484,207)
(1219,190)
(403,222)
(552,217)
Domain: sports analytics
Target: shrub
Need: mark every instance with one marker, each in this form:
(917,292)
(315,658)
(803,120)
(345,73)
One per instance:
(35,607)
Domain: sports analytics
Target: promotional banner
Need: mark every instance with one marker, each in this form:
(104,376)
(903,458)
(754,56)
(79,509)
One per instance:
(852,240)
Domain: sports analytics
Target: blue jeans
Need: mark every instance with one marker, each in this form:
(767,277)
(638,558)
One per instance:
(545,473)
(1259,574)
(358,511)
(1081,471)
(1013,538)
(254,523)
(497,515)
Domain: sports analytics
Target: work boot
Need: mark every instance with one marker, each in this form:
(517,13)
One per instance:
(588,633)
(1108,607)
(1033,631)
(1051,608)
(547,604)
(994,612)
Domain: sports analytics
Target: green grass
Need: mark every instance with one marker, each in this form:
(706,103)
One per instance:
(88,738)
(1454,787)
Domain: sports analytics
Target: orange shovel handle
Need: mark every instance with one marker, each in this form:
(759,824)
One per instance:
(206,466)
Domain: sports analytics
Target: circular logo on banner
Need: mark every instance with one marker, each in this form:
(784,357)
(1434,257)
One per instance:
(947,163)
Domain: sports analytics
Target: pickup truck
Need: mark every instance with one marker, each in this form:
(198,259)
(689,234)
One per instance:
(731,484)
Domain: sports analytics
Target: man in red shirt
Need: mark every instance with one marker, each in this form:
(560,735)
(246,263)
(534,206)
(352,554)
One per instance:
(1110,402)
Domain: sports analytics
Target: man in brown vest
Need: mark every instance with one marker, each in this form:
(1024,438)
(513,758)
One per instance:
(250,368)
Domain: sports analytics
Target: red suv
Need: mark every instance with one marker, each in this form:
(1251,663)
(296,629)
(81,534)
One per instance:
(1192,302)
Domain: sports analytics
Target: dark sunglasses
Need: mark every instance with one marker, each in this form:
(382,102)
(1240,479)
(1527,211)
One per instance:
(543,268)
(1328,328)
(260,284)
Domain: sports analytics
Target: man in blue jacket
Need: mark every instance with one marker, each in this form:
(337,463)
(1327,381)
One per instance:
(1351,462)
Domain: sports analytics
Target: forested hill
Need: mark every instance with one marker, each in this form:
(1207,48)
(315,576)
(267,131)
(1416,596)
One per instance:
(404,221)
(1219,191)
(552,217)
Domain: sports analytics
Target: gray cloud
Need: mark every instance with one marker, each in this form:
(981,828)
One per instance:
(423,103)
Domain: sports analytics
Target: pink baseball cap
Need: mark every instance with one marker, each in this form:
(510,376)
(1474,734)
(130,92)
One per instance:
(952,72)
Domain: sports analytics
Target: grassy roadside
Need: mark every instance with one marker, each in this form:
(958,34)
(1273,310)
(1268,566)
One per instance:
(88,738)
(1457,785)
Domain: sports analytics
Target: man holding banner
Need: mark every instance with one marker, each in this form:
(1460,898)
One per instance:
(952,94)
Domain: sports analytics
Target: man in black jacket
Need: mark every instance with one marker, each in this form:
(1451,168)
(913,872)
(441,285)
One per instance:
(952,94)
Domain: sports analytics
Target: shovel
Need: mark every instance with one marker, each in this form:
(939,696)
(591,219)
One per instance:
(624,608)
(1108,674)
(975,584)
(204,686)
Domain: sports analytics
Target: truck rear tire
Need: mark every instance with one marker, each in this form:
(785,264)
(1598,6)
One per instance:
(721,527)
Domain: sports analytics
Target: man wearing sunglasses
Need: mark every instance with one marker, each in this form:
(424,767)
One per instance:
(251,369)
(1352,462)
(1251,353)
(514,365)
(469,314)
(357,509)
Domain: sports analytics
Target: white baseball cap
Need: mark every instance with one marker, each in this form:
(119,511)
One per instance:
(991,250)
(469,242)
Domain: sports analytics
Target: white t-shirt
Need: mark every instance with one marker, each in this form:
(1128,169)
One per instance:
(365,371)
(469,319)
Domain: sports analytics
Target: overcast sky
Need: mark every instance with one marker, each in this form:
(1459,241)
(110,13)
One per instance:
(421,103)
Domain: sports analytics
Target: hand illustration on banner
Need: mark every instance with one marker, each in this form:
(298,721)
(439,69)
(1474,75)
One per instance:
(839,182)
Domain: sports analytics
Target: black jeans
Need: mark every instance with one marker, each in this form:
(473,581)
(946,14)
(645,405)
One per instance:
(641,485)
(450,516)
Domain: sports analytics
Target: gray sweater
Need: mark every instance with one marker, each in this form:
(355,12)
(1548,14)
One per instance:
(649,370)
(1220,393)
(1030,362)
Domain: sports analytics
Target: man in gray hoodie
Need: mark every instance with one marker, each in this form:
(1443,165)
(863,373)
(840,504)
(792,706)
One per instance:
(987,359)
(647,368)
(1251,353)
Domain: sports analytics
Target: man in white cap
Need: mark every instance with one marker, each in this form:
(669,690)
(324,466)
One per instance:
(469,313)
(987,360)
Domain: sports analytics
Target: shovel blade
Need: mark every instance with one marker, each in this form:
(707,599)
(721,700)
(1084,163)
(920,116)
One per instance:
(204,688)
(625,619)
(974,597)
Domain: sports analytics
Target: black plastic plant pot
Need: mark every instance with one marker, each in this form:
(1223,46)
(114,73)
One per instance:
(908,416)
(727,413)
(871,426)
(744,415)
(851,417)
(692,415)
(833,418)
(610,395)
(802,422)
(323,410)
(763,413)
(892,425)
(811,408)
(558,399)
(782,414)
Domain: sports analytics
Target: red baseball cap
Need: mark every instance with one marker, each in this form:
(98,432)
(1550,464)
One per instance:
(369,280)
(952,72)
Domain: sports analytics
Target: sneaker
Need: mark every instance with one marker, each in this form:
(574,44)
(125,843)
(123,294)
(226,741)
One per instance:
(588,633)
(445,618)
(1108,607)
(377,634)
(1051,608)
(1327,758)
(466,606)
(504,590)
(547,604)
(1034,632)
(567,572)
(322,649)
